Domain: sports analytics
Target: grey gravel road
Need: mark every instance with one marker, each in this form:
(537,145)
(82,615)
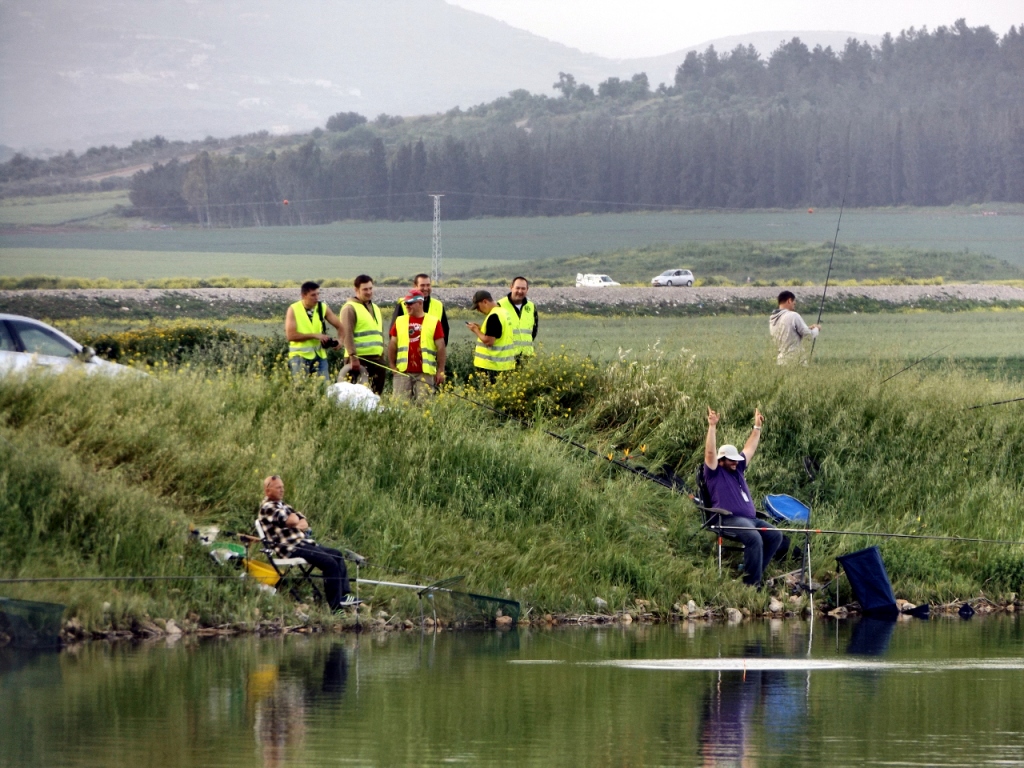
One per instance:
(549,298)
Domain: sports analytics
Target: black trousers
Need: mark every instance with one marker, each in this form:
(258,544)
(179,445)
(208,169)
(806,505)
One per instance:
(376,371)
(332,565)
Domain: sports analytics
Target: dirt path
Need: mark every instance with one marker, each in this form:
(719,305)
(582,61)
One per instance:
(552,299)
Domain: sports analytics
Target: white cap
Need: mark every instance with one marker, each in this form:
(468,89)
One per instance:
(729,452)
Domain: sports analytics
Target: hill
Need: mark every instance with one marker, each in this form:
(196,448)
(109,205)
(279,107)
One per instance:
(79,74)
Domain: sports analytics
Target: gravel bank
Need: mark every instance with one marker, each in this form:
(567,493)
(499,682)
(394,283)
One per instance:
(56,303)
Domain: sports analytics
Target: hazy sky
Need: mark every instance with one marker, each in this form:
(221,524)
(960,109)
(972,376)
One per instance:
(629,28)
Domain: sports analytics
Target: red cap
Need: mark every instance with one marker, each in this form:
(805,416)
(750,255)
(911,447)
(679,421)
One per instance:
(413,296)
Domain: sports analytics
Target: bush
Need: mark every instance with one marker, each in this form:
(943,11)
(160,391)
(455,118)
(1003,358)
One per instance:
(159,345)
(544,386)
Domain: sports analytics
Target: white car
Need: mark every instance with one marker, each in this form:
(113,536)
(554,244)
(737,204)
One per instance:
(674,277)
(25,343)
(594,281)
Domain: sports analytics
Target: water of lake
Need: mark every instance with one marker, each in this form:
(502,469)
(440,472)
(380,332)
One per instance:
(939,692)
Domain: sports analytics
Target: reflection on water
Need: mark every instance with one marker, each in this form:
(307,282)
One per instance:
(280,703)
(941,692)
(871,637)
(736,701)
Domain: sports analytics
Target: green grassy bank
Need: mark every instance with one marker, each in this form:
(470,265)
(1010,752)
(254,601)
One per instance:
(104,476)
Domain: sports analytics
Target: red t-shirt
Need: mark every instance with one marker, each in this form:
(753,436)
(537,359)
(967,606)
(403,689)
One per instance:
(415,328)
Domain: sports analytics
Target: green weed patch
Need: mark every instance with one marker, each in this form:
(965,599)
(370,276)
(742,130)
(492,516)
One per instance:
(105,475)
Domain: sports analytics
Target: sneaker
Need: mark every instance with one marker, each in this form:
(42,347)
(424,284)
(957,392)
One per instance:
(349,602)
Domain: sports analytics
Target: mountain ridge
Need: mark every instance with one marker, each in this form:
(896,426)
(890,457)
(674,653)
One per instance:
(74,75)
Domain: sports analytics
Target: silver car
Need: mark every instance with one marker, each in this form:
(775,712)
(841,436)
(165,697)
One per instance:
(26,343)
(673,277)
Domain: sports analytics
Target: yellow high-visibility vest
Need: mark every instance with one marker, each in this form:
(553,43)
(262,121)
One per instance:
(436,308)
(502,356)
(368,334)
(310,348)
(522,325)
(428,347)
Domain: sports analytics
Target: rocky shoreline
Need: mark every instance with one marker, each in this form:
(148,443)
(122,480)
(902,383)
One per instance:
(797,607)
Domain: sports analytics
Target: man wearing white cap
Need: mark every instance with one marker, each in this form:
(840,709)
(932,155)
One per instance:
(724,475)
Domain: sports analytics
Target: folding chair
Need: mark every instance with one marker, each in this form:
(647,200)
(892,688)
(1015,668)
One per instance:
(712,518)
(294,572)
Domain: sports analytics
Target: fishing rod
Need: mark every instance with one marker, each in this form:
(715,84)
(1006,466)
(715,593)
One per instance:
(828,274)
(827,532)
(998,402)
(47,579)
(916,362)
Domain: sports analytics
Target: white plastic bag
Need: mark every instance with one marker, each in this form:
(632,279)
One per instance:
(355,396)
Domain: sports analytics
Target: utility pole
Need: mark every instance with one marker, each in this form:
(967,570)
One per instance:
(435,261)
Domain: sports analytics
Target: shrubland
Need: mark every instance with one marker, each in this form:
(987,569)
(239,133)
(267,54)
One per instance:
(104,476)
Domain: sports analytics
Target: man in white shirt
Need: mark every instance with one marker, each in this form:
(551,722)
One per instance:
(789,330)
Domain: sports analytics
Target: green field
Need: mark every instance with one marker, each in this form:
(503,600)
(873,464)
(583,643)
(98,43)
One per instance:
(148,265)
(985,340)
(91,208)
(475,243)
(896,336)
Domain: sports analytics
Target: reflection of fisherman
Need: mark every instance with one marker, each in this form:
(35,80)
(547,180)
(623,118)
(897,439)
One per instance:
(726,718)
(724,474)
(523,314)
(280,716)
(305,324)
(495,348)
(362,333)
(789,330)
(737,701)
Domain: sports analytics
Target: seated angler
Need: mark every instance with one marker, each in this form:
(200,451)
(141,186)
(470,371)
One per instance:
(289,533)
(730,496)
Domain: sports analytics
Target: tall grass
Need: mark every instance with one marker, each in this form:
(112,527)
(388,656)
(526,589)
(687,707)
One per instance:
(103,476)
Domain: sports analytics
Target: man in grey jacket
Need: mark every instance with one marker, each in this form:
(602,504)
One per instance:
(789,330)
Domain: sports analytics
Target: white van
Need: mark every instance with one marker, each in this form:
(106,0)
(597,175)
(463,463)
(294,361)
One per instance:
(594,281)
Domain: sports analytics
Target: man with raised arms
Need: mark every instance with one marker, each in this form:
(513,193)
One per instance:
(724,470)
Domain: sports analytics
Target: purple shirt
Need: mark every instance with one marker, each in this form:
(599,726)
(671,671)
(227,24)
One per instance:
(728,489)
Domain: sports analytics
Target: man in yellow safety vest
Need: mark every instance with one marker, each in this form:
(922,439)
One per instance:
(495,349)
(305,324)
(524,318)
(362,333)
(416,351)
(431,305)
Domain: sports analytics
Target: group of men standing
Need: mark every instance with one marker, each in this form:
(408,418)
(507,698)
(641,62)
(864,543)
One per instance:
(415,346)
